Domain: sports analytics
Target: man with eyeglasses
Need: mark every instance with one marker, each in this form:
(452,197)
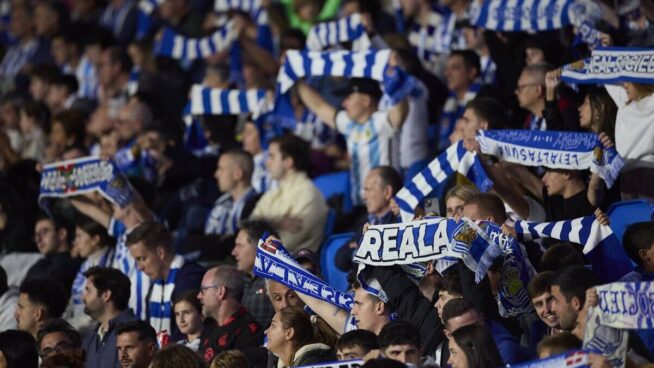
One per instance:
(57,336)
(233,326)
(53,236)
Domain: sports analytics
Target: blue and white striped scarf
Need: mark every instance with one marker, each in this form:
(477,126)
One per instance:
(180,47)
(612,65)
(84,175)
(254,8)
(556,150)
(332,33)
(160,305)
(600,245)
(570,359)
(621,307)
(435,37)
(455,159)
(275,263)
(532,15)
(452,111)
(225,216)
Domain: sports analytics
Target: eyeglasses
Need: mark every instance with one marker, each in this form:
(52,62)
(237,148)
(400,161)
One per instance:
(520,87)
(203,288)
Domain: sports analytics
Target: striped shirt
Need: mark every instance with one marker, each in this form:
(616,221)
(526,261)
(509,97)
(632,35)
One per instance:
(453,111)
(17,57)
(369,146)
(225,216)
(87,79)
(261,180)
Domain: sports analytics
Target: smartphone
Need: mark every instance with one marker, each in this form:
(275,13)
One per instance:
(432,206)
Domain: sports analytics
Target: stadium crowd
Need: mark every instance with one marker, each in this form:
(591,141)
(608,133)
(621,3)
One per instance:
(168,276)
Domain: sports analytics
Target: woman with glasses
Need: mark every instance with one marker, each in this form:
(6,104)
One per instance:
(299,339)
(189,319)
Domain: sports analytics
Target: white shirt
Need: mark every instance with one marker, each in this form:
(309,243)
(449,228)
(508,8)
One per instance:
(368,145)
(634,128)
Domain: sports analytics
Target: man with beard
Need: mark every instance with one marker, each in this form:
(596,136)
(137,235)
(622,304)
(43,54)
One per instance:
(136,343)
(105,297)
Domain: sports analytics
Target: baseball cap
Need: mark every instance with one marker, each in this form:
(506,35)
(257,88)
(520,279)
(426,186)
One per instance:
(360,85)
(307,255)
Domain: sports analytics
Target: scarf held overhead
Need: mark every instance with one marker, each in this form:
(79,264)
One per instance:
(612,65)
(333,33)
(84,175)
(180,47)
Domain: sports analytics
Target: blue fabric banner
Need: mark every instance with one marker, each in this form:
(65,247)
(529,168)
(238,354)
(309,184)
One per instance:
(612,65)
(571,359)
(180,47)
(332,33)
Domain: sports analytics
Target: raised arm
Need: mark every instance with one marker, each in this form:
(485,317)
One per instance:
(314,102)
(333,315)
(92,210)
(398,113)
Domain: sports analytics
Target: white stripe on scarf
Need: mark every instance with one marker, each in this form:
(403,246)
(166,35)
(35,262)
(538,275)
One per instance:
(160,302)
(332,33)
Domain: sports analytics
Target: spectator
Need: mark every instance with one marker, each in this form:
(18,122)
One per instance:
(355,344)
(53,237)
(151,245)
(399,340)
(120,17)
(105,300)
(113,75)
(561,255)
(230,359)
(57,336)
(281,296)
(33,138)
(541,298)
(557,344)
(296,208)
(66,136)
(221,293)
(485,206)
(299,340)
(638,242)
(473,346)
(8,300)
(261,179)
(568,291)
(62,95)
(94,245)
(72,359)
(39,301)
(459,312)
(370,312)
(174,356)
(456,198)
(188,317)
(18,349)
(136,344)
(254,299)
(357,123)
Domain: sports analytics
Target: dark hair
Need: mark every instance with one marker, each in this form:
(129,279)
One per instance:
(559,343)
(19,349)
(367,340)
(489,204)
(74,124)
(68,359)
(68,81)
(398,332)
(45,72)
(574,281)
(119,56)
(306,330)
(491,110)
(540,284)
(153,235)
(256,228)
(602,103)
(243,160)
(470,59)
(478,346)
(221,129)
(59,325)
(190,296)
(48,293)
(174,355)
(145,331)
(559,256)
(106,278)
(293,34)
(637,237)
(36,111)
(455,308)
(60,222)
(383,363)
(389,176)
(93,228)
(451,282)
(4,286)
(296,148)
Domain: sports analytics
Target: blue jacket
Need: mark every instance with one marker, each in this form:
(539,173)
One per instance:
(103,353)
(508,345)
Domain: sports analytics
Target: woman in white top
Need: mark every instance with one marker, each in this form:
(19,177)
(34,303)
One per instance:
(634,137)
(189,319)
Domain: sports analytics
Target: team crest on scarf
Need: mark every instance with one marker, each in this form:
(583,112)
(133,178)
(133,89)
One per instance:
(467,235)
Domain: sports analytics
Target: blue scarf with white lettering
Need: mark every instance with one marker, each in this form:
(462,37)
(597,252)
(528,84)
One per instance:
(160,305)
(84,175)
(333,33)
(275,263)
(612,65)
(603,249)
(621,307)
(455,159)
(570,359)
(179,47)
(373,64)
(532,15)
(556,150)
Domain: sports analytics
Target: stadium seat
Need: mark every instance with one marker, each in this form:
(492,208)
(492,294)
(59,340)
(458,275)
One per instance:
(329,224)
(335,184)
(625,213)
(333,276)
